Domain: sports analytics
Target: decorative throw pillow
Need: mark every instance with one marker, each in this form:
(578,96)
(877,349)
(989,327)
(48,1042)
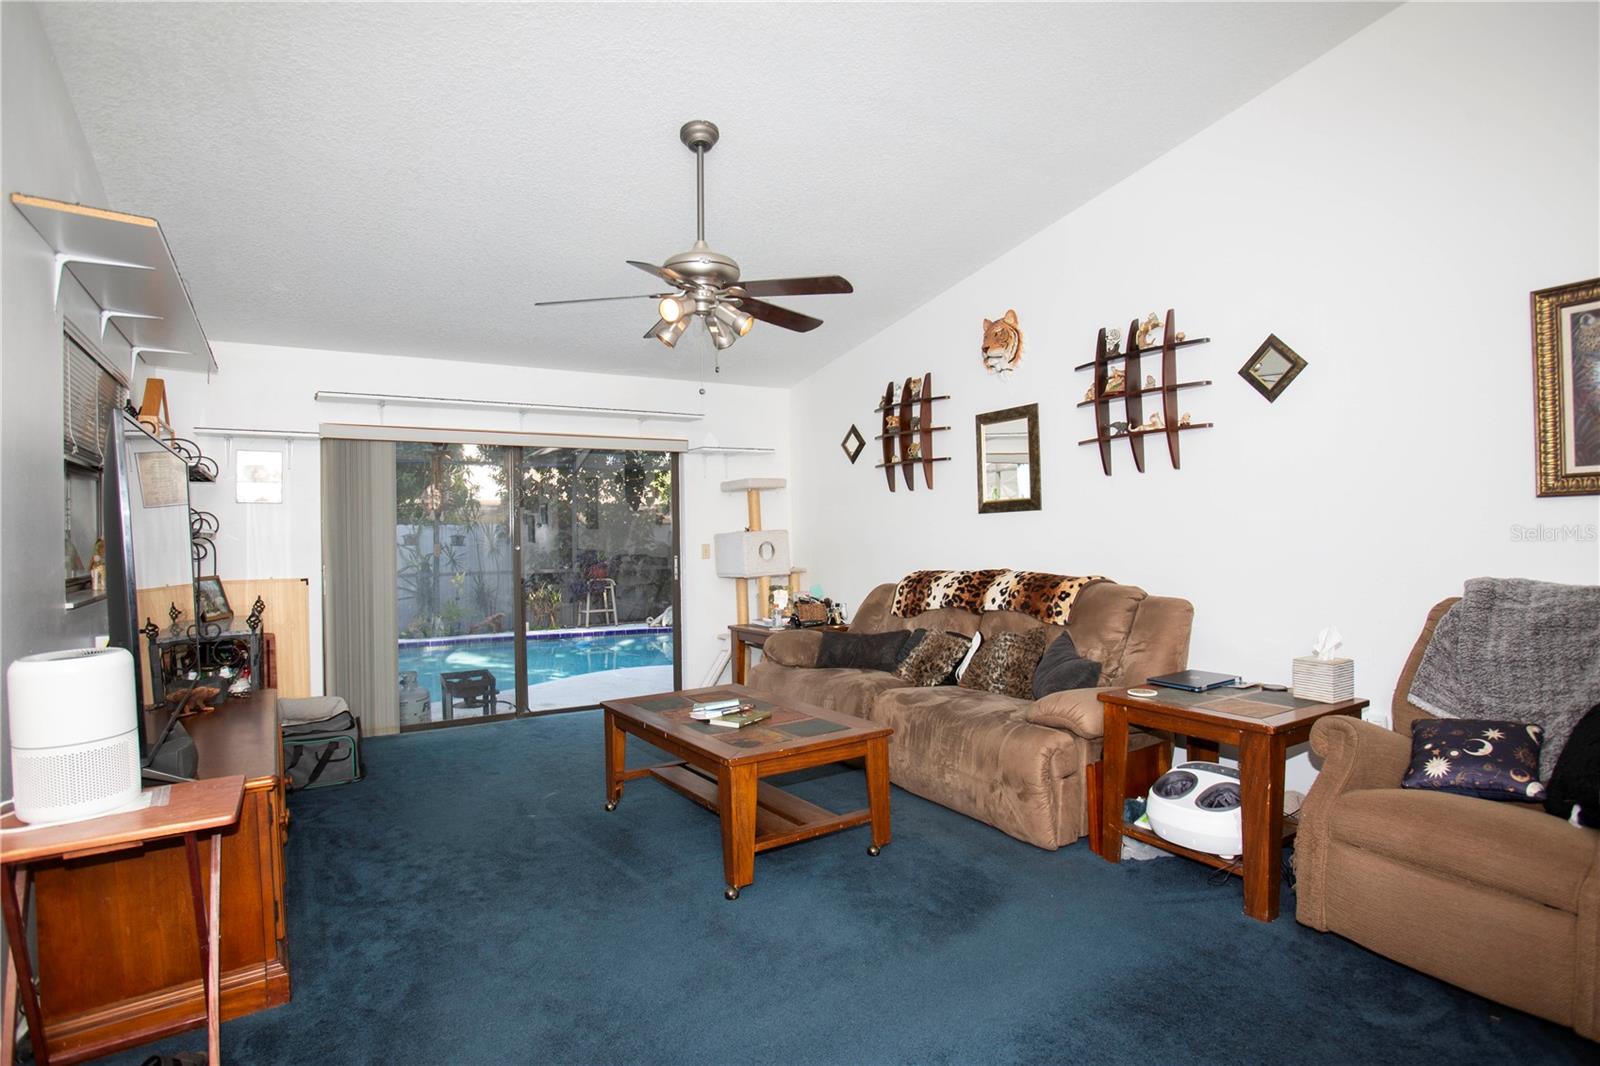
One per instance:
(1576,780)
(1476,757)
(861,651)
(966,660)
(1062,668)
(913,638)
(1005,664)
(933,662)
(1047,597)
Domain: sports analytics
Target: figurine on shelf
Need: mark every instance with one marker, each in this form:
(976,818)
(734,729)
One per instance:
(1184,421)
(1116,381)
(1149,381)
(914,450)
(1147,329)
(1119,428)
(97,567)
(1002,344)
(1113,338)
(914,388)
(1177,337)
(891,423)
(1088,393)
(1154,421)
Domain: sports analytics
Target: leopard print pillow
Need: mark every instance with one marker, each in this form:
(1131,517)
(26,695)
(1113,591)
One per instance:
(1005,663)
(1047,597)
(928,590)
(933,660)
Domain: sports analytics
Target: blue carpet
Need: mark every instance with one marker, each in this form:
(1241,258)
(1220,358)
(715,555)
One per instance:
(471,902)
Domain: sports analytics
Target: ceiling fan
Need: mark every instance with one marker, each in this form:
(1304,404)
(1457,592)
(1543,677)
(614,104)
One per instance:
(707,282)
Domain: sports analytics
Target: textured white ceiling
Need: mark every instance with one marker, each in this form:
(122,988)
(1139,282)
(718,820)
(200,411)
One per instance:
(408,179)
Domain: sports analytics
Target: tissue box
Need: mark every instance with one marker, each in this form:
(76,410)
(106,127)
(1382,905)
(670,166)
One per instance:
(1324,680)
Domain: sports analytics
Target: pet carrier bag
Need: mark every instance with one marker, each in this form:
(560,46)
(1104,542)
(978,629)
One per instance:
(323,752)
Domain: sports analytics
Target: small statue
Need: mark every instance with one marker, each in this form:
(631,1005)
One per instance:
(1116,381)
(1113,338)
(891,423)
(1088,393)
(1178,336)
(1002,344)
(1146,328)
(914,385)
(1184,421)
(1154,421)
(914,450)
(1149,381)
(1119,428)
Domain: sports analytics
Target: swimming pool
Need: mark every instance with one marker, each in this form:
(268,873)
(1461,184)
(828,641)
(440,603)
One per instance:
(550,658)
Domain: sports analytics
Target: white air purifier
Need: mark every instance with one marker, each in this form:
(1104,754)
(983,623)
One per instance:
(74,734)
(1197,804)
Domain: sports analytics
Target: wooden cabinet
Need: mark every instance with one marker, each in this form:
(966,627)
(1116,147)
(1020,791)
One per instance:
(117,961)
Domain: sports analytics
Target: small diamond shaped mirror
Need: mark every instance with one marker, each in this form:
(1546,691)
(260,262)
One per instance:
(1272,367)
(853,443)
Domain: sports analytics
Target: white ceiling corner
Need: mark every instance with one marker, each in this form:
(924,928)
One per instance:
(409,179)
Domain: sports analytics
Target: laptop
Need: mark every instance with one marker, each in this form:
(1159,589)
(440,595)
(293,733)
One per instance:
(1195,680)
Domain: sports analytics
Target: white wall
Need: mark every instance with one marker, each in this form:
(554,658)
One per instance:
(42,152)
(1386,211)
(272,388)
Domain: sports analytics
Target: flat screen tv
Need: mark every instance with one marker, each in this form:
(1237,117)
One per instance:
(149,566)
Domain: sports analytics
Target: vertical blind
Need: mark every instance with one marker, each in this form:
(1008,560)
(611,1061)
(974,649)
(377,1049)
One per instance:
(360,652)
(90,398)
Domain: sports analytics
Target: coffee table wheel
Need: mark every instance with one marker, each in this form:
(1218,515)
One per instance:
(611,805)
(873,849)
(731,893)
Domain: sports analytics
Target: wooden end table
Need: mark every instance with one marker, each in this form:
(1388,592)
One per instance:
(747,635)
(721,769)
(1262,725)
(188,810)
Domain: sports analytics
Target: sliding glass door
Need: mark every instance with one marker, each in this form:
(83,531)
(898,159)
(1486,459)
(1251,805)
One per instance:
(531,580)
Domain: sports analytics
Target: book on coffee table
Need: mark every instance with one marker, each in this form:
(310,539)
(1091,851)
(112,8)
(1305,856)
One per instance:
(741,719)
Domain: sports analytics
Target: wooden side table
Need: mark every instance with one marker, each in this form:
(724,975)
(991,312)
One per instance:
(189,809)
(1262,725)
(744,636)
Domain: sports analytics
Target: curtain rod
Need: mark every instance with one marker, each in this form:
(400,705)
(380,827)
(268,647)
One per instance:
(274,434)
(379,398)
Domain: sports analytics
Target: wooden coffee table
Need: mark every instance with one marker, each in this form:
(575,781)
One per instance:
(721,769)
(1263,725)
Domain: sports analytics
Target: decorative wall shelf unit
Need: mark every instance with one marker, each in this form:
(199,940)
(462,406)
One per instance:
(1133,392)
(897,439)
(125,265)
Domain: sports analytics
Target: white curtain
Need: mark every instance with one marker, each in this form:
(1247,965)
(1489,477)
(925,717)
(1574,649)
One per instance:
(358,580)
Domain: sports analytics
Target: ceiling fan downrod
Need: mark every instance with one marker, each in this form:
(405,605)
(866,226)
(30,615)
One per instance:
(699,136)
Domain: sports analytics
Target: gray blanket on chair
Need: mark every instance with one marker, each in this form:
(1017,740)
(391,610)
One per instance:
(1517,650)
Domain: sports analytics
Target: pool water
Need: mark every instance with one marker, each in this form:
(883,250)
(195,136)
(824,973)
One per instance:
(549,659)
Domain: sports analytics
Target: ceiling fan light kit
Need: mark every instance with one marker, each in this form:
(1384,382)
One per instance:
(708,281)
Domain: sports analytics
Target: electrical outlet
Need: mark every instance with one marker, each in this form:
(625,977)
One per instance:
(705,551)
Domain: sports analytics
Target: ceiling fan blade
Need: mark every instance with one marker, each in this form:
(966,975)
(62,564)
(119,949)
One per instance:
(797,286)
(778,316)
(598,299)
(661,272)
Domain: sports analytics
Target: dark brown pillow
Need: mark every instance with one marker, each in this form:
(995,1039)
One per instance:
(1005,663)
(861,651)
(933,661)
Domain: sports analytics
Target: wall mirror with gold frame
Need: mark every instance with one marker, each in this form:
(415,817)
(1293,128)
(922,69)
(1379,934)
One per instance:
(1008,460)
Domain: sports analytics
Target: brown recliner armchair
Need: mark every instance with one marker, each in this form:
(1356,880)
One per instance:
(1501,899)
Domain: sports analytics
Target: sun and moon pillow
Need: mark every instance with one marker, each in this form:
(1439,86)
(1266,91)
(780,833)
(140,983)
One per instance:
(1046,597)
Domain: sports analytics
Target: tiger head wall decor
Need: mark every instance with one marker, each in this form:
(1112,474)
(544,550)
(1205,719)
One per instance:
(1002,344)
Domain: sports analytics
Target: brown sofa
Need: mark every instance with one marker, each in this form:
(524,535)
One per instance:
(1025,767)
(1499,898)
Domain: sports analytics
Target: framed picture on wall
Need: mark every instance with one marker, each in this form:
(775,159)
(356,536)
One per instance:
(1566,388)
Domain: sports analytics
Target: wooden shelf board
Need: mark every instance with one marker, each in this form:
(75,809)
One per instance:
(897,404)
(1112,396)
(913,462)
(1147,432)
(1186,342)
(148,283)
(919,429)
